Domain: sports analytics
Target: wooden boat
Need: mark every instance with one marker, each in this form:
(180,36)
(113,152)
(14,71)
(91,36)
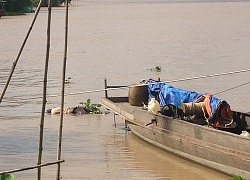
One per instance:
(218,149)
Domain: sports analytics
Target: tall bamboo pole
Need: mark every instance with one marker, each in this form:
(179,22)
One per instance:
(20,51)
(39,161)
(62,92)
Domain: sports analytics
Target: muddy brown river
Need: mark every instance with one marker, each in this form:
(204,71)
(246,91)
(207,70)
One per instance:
(121,41)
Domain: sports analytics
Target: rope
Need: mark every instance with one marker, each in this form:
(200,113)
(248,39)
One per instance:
(169,81)
(232,88)
(208,76)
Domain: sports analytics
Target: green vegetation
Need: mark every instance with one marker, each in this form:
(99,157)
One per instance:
(237,178)
(45,2)
(19,7)
(7,177)
(92,108)
(13,13)
(156,69)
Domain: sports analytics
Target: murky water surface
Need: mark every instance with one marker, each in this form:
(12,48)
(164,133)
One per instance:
(120,41)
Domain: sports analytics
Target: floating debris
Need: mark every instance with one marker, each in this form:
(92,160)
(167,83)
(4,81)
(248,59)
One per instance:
(67,81)
(156,69)
(84,108)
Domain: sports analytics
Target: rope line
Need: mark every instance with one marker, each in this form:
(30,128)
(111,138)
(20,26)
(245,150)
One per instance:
(232,88)
(169,81)
(208,76)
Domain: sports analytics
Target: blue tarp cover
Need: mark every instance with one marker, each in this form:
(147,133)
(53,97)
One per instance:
(167,95)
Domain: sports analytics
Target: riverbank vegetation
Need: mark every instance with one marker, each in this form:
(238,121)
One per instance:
(19,7)
(45,2)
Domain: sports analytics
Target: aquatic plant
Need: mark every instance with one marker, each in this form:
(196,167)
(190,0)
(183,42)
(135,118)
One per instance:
(237,178)
(156,69)
(7,176)
(92,108)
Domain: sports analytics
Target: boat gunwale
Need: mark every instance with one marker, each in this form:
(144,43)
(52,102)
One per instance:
(120,100)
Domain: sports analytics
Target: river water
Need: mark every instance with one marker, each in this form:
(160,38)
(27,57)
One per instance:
(121,41)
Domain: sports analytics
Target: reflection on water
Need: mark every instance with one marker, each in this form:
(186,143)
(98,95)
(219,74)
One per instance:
(167,164)
(119,41)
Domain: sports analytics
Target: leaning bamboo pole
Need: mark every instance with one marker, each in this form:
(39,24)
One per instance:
(20,51)
(62,92)
(40,150)
(31,167)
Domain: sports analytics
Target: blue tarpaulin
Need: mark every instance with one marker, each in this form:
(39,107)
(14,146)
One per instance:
(167,95)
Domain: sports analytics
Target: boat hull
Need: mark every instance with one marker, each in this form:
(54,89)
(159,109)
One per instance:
(223,151)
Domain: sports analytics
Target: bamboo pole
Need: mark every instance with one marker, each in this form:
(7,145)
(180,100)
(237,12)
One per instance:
(20,51)
(39,161)
(32,167)
(106,88)
(62,92)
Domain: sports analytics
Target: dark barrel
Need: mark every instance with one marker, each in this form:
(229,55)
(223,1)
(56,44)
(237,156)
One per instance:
(137,95)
